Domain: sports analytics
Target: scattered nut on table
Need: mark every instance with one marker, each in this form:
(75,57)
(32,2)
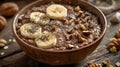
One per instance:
(2,53)
(9,9)
(3,22)
(3,42)
(6,47)
(94,65)
(114,44)
(117,64)
(12,40)
(113,49)
(115,18)
(117,35)
(107,63)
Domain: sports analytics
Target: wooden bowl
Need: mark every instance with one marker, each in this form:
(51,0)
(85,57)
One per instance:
(62,57)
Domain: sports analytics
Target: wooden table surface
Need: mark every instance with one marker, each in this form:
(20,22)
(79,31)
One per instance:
(15,57)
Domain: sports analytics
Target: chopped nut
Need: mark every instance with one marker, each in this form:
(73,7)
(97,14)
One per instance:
(115,41)
(94,65)
(70,46)
(117,35)
(86,33)
(2,53)
(96,37)
(3,41)
(82,27)
(80,38)
(110,45)
(66,36)
(90,25)
(77,14)
(113,49)
(60,38)
(69,36)
(70,30)
(117,64)
(10,40)
(77,22)
(5,47)
(14,40)
(76,33)
(66,22)
(114,45)
(83,15)
(85,19)
(54,27)
(107,63)
(77,9)
(2,44)
(112,40)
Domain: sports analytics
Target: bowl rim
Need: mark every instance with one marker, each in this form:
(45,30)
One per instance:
(59,51)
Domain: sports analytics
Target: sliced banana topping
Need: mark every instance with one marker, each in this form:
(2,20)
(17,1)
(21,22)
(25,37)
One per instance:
(30,30)
(46,40)
(40,18)
(56,11)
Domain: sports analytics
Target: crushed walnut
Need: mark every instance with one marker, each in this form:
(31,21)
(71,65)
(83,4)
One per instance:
(94,65)
(114,44)
(107,63)
(3,42)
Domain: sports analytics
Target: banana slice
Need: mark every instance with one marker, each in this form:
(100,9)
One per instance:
(30,30)
(56,11)
(40,18)
(46,40)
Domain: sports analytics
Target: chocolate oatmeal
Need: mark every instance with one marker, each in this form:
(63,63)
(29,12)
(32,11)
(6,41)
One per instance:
(58,27)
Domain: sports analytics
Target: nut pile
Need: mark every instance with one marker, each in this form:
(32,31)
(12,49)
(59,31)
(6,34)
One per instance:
(4,44)
(114,44)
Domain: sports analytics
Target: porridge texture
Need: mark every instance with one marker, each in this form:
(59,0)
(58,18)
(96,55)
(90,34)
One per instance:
(58,27)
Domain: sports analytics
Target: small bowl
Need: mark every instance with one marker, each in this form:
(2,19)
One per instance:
(62,57)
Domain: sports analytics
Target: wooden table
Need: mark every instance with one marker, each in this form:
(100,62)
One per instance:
(15,57)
